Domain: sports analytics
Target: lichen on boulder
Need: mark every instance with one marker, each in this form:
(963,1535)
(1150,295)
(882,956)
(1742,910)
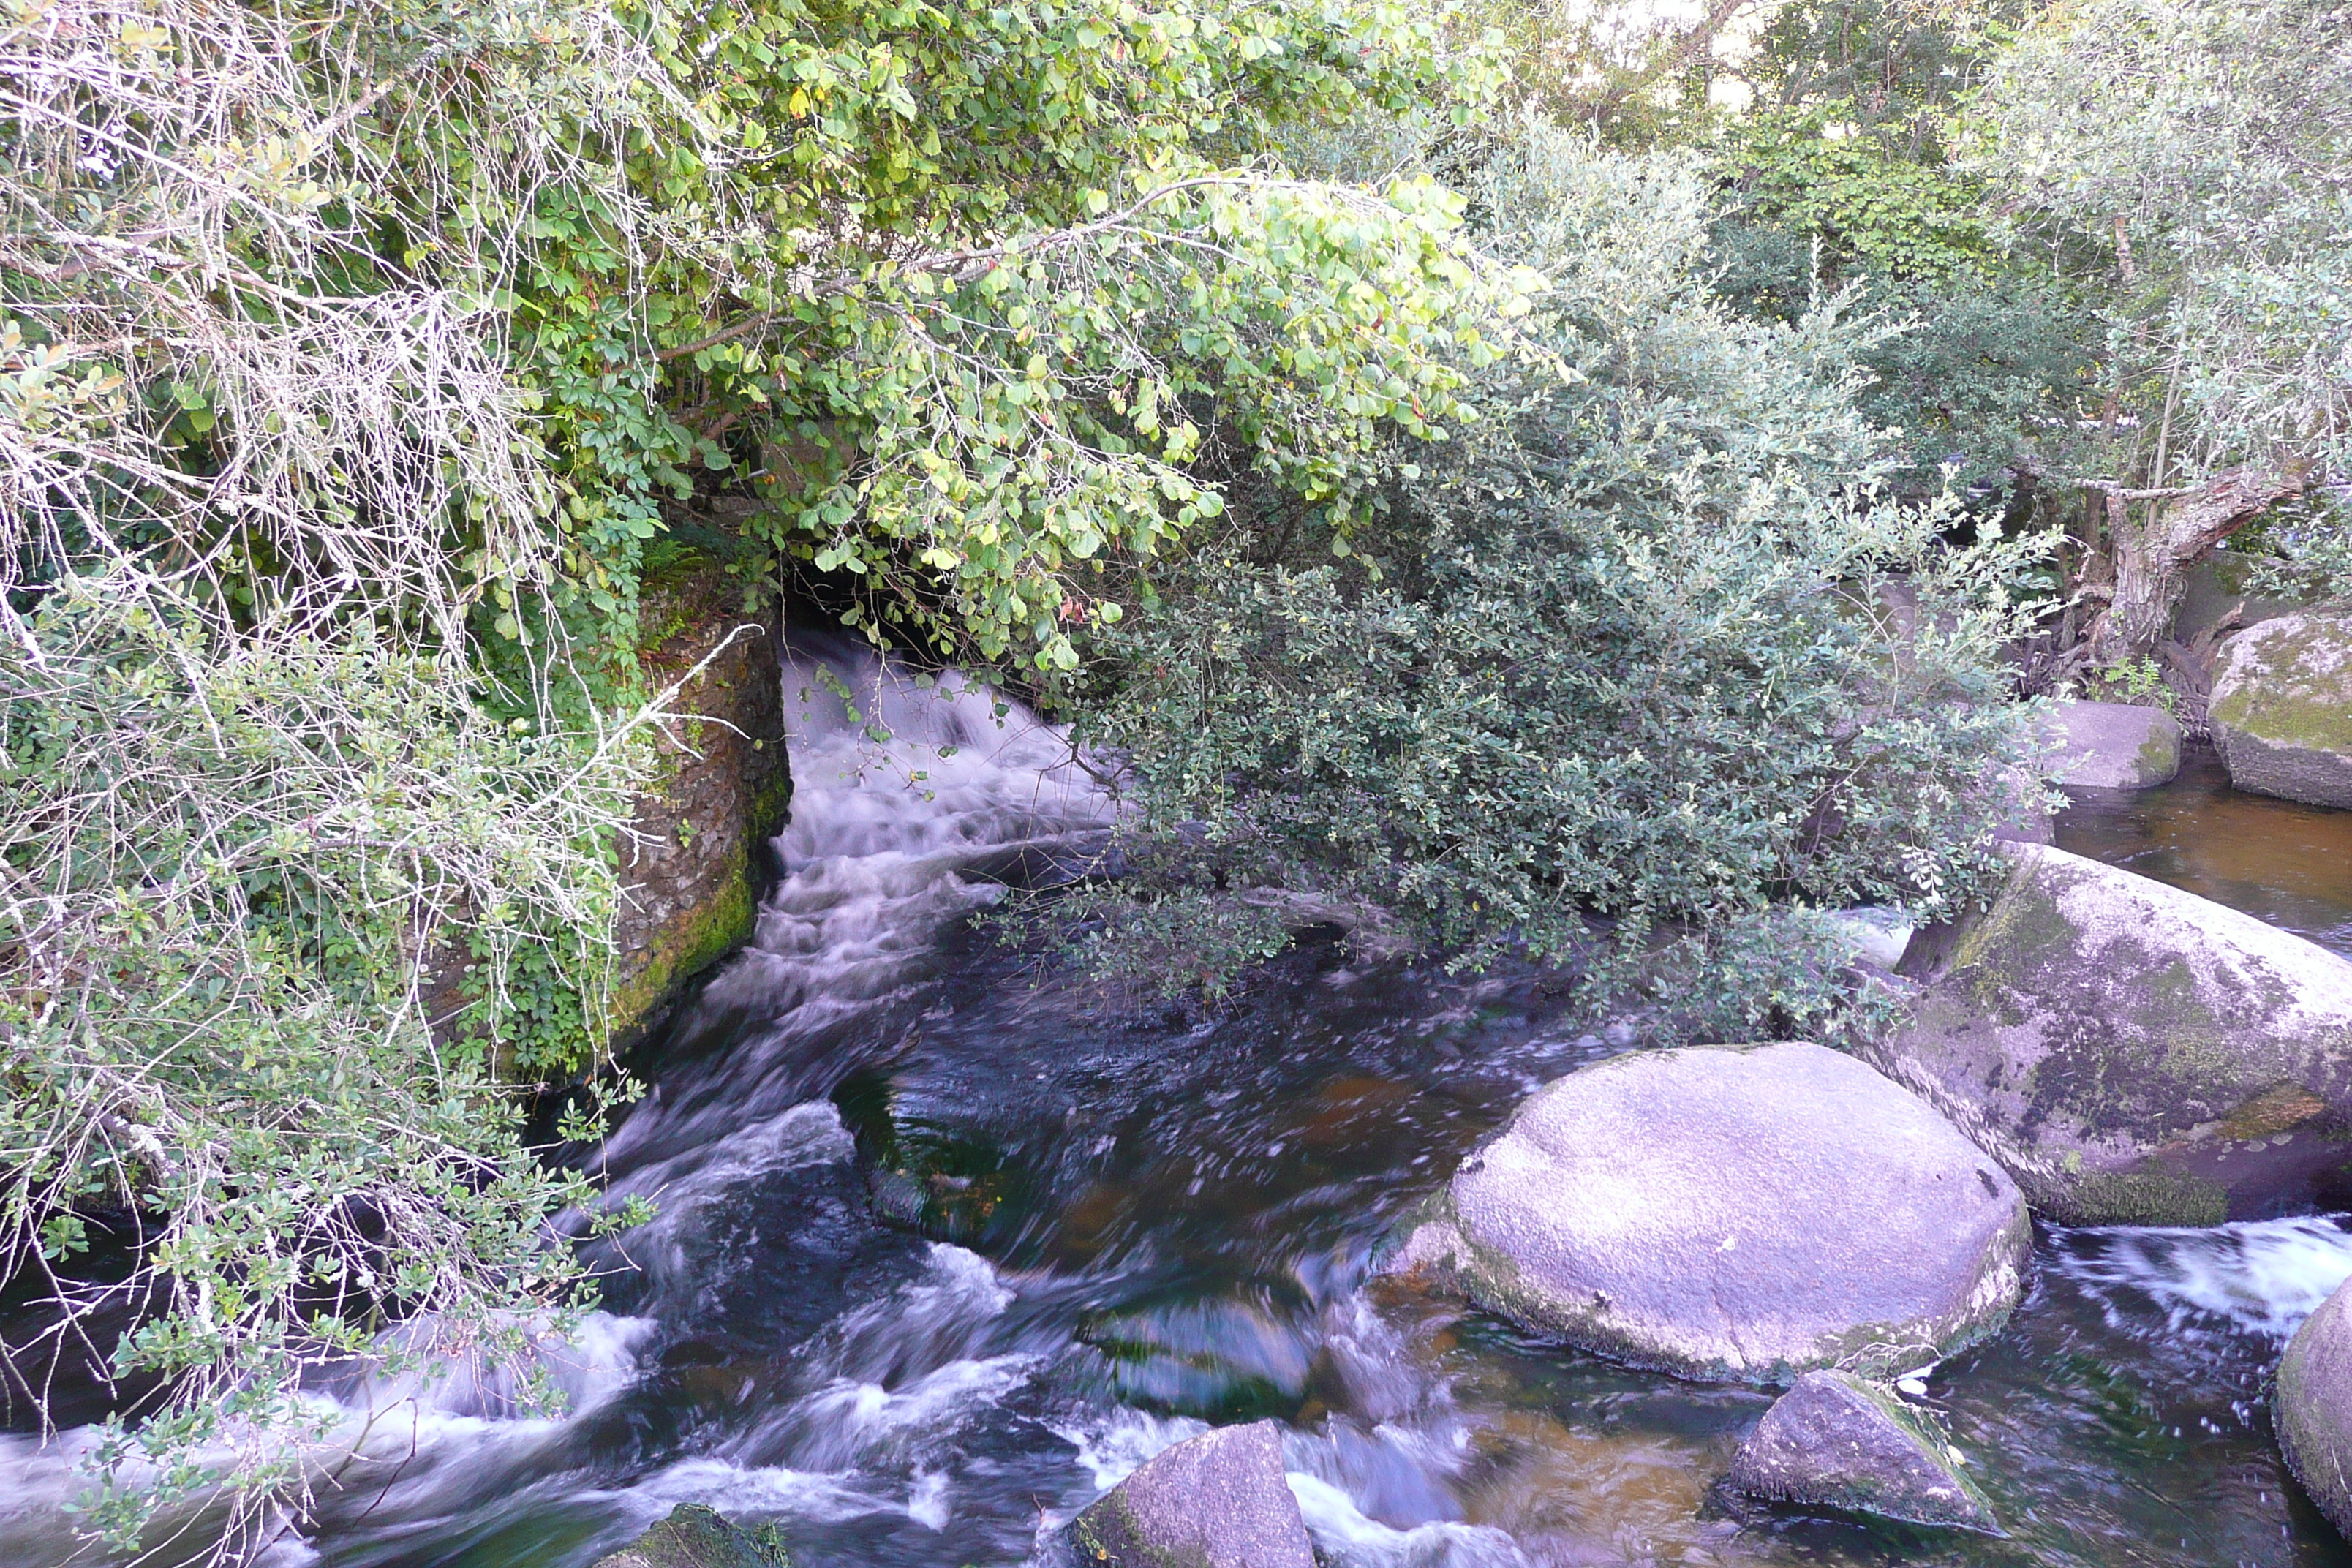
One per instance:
(1836,1441)
(2312,1411)
(2129,1052)
(2281,711)
(2113,745)
(1732,1212)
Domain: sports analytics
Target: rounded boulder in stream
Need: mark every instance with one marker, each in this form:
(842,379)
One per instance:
(1734,1213)
(2312,1410)
(1218,1500)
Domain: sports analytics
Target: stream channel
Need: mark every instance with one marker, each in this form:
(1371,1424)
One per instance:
(1112,1232)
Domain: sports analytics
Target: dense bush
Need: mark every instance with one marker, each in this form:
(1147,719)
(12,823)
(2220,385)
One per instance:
(1651,647)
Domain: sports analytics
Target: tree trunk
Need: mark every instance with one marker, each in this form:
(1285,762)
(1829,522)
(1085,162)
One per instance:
(2150,555)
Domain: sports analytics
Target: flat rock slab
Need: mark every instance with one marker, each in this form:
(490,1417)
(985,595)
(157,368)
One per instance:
(1218,1500)
(694,1536)
(1733,1213)
(2113,745)
(2312,1410)
(2281,710)
(1836,1441)
(2132,1053)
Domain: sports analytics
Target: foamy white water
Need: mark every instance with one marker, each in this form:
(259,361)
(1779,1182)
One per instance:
(2263,1277)
(913,800)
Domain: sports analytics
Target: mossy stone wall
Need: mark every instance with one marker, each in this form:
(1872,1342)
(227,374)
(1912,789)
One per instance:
(695,877)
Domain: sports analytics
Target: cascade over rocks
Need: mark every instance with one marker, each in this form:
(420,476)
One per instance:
(2282,708)
(1745,1213)
(1218,1500)
(2114,745)
(2312,1410)
(1837,1441)
(2131,1053)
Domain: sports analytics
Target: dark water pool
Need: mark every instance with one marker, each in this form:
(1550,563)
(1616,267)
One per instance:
(2288,864)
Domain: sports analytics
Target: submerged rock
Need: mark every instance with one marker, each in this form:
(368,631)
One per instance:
(1218,1500)
(2114,745)
(1838,1442)
(2282,708)
(1747,1212)
(2312,1410)
(694,1536)
(2131,1053)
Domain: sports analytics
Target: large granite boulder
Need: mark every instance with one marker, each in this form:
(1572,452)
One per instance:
(1836,1441)
(2131,1053)
(2312,1410)
(1741,1213)
(2281,711)
(694,1536)
(2113,745)
(1218,1500)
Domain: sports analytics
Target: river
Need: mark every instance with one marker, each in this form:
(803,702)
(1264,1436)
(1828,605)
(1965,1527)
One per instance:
(1111,1227)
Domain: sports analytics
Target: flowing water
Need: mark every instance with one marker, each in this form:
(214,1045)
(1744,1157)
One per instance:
(947,1246)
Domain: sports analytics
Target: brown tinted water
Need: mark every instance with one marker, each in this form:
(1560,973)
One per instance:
(2287,864)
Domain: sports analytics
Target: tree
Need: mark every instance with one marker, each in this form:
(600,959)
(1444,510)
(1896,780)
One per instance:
(965,297)
(2197,151)
(1838,177)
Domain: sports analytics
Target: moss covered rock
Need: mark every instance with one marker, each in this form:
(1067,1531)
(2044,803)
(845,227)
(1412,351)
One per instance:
(2313,1409)
(2114,745)
(694,875)
(1219,1500)
(2282,708)
(1837,1441)
(694,1536)
(1734,1213)
(2131,1053)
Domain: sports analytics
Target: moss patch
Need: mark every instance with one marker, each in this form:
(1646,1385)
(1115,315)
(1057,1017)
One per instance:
(2149,1195)
(688,945)
(2282,1109)
(2301,694)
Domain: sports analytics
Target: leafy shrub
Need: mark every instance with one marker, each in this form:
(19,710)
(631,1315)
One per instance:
(1651,651)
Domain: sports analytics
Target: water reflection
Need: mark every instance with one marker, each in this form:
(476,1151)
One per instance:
(2287,864)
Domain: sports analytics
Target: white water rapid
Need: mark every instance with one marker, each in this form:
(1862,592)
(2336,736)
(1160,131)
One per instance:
(915,801)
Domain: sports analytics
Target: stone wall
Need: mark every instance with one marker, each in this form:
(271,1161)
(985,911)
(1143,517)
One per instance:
(694,881)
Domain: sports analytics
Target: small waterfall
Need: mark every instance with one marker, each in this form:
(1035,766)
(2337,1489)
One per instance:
(915,800)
